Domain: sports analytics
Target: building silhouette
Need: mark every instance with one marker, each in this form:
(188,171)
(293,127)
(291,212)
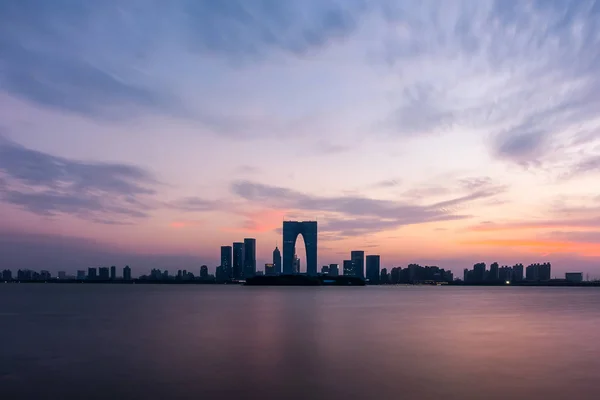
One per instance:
(517,273)
(80,274)
(538,272)
(226,262)
(479,272)
(127,273)
(384,279)
(92,273)
(373,269)
(296,265)
(334,270)
(277,260)
(7,275)
(249,257)
(325,270)
(113,272)
(269,269)
(103,273)
(575,277)
(308,230)
(238,260)
(494,274)
(358,262)
(203,272)
(348,268)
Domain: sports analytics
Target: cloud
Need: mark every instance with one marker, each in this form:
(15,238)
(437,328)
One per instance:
(93,58)
(47,185)
(521,73)
(588,165)
(386,183)
(537,224)
(195,204)
(548,246)
(354,215)
(185,224)
(328,148)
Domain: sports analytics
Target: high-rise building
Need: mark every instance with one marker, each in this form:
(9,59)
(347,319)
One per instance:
(62,275)
(249,257)
(325,270)
(384,279)
(308,230)
(127,273)
(7,275)
(517,272)
(358,262)
(545,272)
(494,273)
(92,273)
(277,260)
(479,272)
(113,273)
(103,273)
(348,268)
(44,275)
(226,262)
(334,270)
(373,269)
(532,272)
(80,274)
(238,260)
(203,272)
(269,269)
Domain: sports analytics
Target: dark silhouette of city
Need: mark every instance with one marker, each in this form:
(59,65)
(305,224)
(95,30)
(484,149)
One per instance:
(238,266)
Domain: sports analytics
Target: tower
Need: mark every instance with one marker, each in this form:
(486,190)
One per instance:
(308,230)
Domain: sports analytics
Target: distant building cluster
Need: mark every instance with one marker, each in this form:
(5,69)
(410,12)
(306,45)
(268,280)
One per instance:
(496,274)
(93,274)
(238,262)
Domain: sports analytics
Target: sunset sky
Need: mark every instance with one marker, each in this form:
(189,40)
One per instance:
(150,133)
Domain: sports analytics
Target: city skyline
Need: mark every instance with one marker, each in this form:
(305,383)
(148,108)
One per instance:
(439,133)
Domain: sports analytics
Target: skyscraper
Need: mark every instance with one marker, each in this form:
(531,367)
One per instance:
(358,262)
(348,268)
(226,262)
(238,260)
(92,273)
(80,274)
(249,257)
(373,269)
(113,272)
(127,273)
(277,260)
(308,230)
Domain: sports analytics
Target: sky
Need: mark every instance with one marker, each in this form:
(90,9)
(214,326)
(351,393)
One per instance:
(150,133)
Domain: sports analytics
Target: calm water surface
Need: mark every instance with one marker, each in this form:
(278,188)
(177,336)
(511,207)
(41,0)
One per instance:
(214,342)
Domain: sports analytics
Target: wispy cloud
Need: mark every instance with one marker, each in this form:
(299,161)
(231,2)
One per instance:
(356,215)
(49,185)
(93,58)
(522,71)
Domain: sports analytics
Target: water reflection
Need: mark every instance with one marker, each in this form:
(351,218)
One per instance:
(236,342)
